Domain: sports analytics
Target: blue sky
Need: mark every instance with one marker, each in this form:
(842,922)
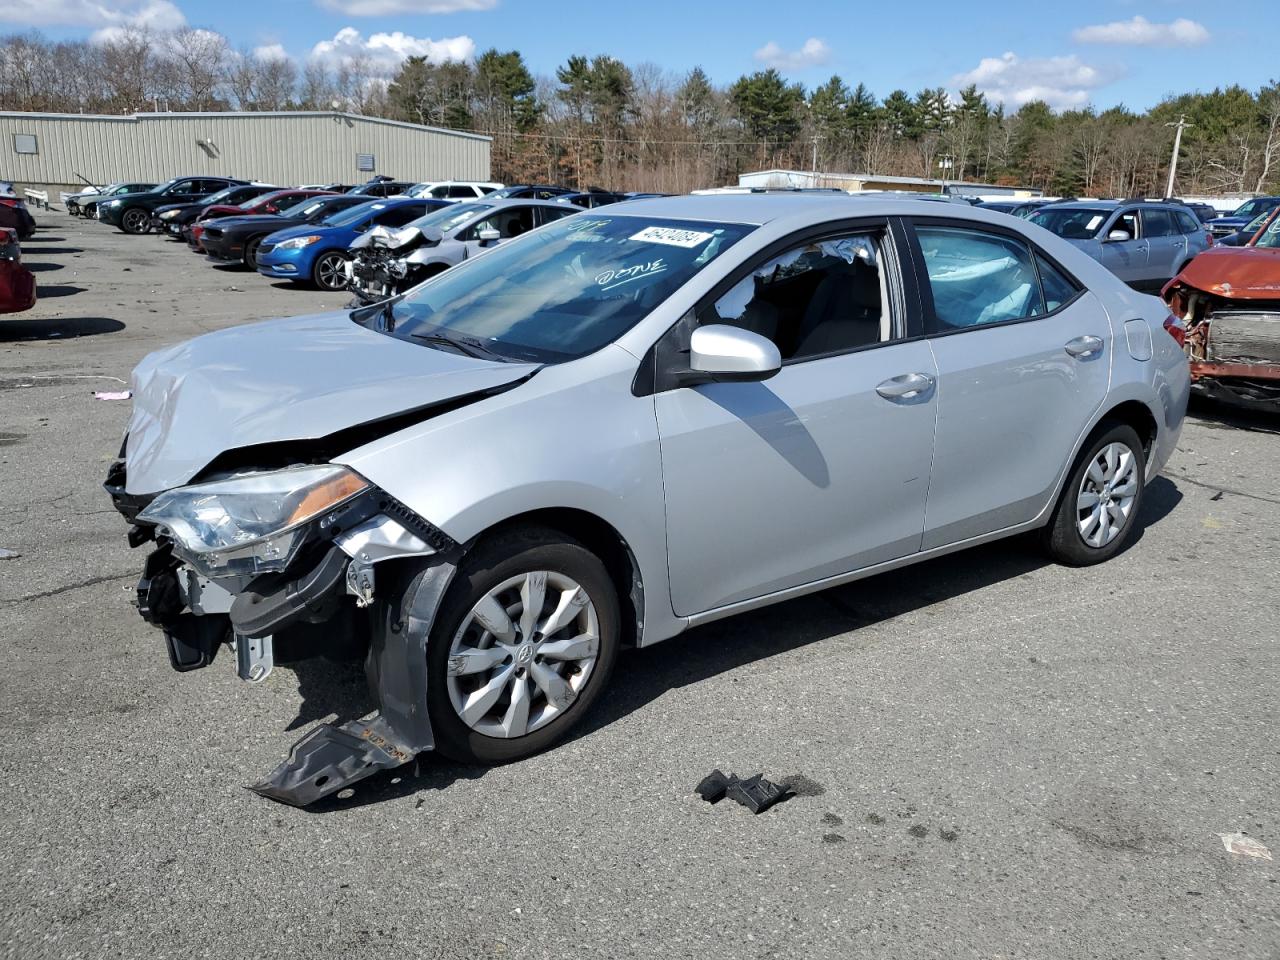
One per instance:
(1103,52)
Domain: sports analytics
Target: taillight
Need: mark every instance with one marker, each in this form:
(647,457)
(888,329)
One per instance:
(1208,236)
(1176,329)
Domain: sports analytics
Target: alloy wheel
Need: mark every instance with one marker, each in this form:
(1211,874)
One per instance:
(523,654)
(330,271)
(136,221)
(1108,489)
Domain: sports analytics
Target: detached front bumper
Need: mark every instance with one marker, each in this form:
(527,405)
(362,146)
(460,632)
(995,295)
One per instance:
(346,581)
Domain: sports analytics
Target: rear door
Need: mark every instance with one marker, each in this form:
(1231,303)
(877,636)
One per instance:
(1166,246)
(1127,259)
(1024,356)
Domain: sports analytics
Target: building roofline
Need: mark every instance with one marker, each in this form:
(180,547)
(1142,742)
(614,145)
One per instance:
(136,117)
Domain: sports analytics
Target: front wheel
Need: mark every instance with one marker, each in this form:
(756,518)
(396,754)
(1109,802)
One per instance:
(136,221)
(330,271)
(251,253)
(1098,510)
(523,644)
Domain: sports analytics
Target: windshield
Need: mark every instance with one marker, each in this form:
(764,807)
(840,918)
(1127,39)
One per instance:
(353,215)
(1251,208)
(562,291)
(1072,224)
(220,196)
(1270,237)
(446,218)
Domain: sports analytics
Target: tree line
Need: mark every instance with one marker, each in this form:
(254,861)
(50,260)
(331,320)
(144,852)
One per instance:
(599,121)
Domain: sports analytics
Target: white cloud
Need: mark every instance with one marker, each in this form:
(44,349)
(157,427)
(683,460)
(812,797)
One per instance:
(156,14)
(386,51)
(814,53)
(270,51)
(1062,82)
(1141,32)
(386,8)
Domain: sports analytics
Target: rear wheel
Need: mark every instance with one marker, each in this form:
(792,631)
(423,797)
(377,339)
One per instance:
(521,647)
(329,271)
(135,220)
(1097,512)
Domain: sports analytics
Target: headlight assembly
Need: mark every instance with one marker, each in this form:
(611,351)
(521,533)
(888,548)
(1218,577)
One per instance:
(169,214)
(249,525)
(113,203)
(296,243)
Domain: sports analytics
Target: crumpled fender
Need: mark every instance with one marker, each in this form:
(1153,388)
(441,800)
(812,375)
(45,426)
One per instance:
(331,758)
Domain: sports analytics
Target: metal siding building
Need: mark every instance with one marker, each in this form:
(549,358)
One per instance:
(286,148)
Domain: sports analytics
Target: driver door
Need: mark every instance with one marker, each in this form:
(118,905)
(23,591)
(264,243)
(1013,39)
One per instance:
(820,469)
(1127,259)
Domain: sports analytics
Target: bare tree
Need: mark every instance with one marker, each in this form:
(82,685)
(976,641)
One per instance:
(1269,106)
(128,68)
(199,58)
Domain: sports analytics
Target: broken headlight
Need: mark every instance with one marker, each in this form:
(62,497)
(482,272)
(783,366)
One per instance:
(252,524)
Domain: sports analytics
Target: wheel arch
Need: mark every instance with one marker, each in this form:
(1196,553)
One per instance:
(601,538)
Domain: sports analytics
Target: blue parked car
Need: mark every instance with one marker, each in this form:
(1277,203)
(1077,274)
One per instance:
(317,253)
(1240,217)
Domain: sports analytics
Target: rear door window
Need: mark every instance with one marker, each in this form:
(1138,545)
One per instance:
(1187,222)
(1158,222)
(1056,286)
(461,191)
(978,278)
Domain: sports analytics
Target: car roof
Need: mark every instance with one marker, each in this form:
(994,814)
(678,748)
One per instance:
(762,208)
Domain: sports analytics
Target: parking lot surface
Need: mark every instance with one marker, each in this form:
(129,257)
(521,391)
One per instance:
(994,757)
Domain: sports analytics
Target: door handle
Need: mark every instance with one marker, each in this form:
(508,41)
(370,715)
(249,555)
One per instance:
(1084,346)
(905,387)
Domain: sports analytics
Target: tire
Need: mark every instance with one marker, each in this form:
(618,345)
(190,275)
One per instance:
(327,270)
(250,256)
(1075,536)
(135,220)
(510,559)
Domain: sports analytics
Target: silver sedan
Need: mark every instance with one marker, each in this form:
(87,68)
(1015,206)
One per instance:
(622,425)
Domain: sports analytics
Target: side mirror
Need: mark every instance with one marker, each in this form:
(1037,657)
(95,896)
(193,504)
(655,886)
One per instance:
(731,353)
(488,235)
(272,208)
(1119,235)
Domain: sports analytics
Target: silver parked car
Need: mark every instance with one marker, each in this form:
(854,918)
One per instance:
(383,261)
(622,425)
(1142,242)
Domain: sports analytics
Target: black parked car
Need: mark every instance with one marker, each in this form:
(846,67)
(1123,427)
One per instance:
(131,212)
(172,217)
(236,239)
(592,198)
(382,187)
(529,191)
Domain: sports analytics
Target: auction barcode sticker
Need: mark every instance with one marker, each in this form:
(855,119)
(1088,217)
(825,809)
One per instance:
(672,237)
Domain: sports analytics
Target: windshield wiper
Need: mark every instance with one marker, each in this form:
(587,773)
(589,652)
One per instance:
(471,346)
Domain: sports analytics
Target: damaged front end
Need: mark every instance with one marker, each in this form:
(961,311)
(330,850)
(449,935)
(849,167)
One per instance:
(383,262)
(1232,342)
(314,556)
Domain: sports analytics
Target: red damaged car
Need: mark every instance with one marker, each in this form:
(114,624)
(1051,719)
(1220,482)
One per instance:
(1228,298)
(17,283)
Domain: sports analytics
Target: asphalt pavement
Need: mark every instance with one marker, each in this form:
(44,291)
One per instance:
(994,756)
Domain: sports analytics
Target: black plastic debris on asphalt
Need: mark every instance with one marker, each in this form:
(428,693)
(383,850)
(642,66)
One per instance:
(755,793)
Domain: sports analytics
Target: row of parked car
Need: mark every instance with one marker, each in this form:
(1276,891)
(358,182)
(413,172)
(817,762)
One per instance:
(308,234)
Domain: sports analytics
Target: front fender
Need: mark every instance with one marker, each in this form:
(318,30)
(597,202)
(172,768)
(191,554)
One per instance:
(572,437)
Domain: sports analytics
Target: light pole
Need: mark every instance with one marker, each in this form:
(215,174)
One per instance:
(1177,145)
(945,165)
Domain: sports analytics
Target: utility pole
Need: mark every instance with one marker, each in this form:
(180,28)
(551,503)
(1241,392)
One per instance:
(814,169)
(1177,145)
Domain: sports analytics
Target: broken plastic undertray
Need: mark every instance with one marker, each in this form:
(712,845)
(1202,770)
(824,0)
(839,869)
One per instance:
(755,793)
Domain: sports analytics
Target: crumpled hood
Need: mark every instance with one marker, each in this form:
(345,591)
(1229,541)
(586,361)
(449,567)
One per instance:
(300,378)
(1243,273)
